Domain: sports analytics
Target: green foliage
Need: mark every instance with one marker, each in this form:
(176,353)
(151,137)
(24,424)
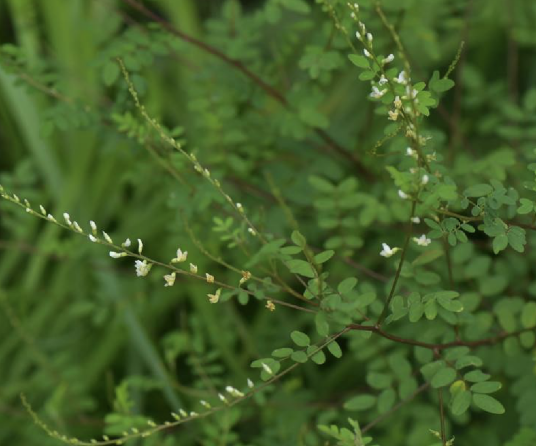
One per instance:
(311,210)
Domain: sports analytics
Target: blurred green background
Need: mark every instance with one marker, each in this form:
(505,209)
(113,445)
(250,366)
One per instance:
(95,348)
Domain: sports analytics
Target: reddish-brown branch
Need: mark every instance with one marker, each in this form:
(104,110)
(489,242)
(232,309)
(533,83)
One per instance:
(271,91)
(437,347)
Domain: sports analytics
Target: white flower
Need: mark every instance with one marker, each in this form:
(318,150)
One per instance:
(142,268)
(397,102)
(170,279)
(369,37)
(376,93)
(50,217)
(181,256)
(393,115)
(411,152)
(267,369)
(93,227)
(67,218)
(422,240)
(210,279)
(42,209)
(77,227)
(205,404)
(183,413)
(140,246)
(234,392)
(239,207)
(193,268)
(117,255)
(107,237)
(358,35)
(366,53)
(214,298)
(127,243)
(270,305)
(387,251)
(383,80)
(402,194)
(401,79)
(221,397)
(252,231)
(388,59)
(416,220)
(250,384)
(92,238)
(425,179)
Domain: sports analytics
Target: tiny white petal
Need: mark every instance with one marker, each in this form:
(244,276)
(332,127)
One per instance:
(77,227)
(92,238)
(402,194)
(267,369)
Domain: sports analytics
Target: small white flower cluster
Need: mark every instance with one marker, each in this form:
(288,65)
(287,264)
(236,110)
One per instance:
(367,39)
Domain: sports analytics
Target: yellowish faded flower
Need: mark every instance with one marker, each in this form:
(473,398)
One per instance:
(170,279)
(270,305)
(246,275)
(210,279)
(193,268)
(214,298)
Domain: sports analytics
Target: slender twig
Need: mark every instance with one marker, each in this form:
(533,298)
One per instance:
(442,417)
(400,265)
(268,89)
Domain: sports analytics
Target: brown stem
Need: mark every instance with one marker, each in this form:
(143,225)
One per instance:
(437,347)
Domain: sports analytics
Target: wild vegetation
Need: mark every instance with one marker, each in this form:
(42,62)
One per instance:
(268,222)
